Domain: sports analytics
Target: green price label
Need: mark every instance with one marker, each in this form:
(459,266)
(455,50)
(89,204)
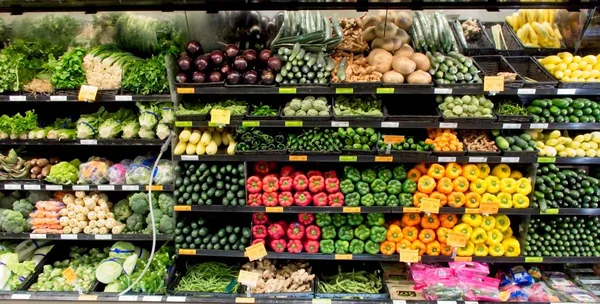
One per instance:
(547,160)
(183,124)
(250,123)
(212,124)
(293,123)
(344,90)
(385,90)
(287,90)
(550,211)
(534,259)
(348,158)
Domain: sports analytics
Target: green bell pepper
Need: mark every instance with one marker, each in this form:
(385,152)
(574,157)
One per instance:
(380,198)
(378,234)
(352,199)
(368,176)
(342,133)
(378,185)
(375,219)
(400,173)
(367,200)
(406,199)
(341,247)
(384,174)
(373,139)
(394,187)
(409,186)
(371,247)
(362,232)
(362,188)
(392,201)
(352,173)
(346,186)
(323,219)
(346,233)
(339,220)
(355,219)
(326,246)
(357,246)
(328,233)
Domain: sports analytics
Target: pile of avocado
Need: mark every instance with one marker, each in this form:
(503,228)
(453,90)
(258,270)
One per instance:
(564,188)
(515,143)
(564,110)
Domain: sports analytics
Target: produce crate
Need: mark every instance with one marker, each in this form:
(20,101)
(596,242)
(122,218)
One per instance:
(481,46)
(468,119)
(570,85)
(512,118)
(536,51)
(191,117)
(407,153)
(364,296)
(32,278)
(249,116)
(483,153)
(522,154)
(307,118)
(493,64)
(514,47)
(178,272)
(527,67)
(449,153)
(284,295)
(401,86)
(358,117)
(414,111)
(462,85)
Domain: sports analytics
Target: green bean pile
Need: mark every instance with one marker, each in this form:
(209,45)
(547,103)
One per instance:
(351,282)
(508,108)
(209,277)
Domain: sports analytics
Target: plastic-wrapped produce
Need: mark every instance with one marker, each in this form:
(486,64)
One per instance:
(117,173)
(138,173)
(163,174)
(94,172)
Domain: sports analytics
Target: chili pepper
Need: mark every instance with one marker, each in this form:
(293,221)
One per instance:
(399,173)
(256,241)
(330,174)
(341,246)
(285,199)
(352,173)
(346,186)
(311,246)
(338,220)
(270,183)
(302,198)
(392,201)
(306,218)
(313,232)
(378,234)
(409,186)
(323,219)
(259,232)
(357,246)
(270,199)
(259,218)
(355,219)
(367,200)
(362,232)
(295,231)
(316,184)
(276,231)
(406,199)
(328,232)
(300,183)
(285,183)
(294,246)
(255,199)
(327,246)
(345,233)
(278,245)
(261,168)
(320,199)
(380,198)
(332,185)
(378,185)
(362,188)
(368,175)
(352,199)
(286,171)
(375,219)
(371,247)
(254,184)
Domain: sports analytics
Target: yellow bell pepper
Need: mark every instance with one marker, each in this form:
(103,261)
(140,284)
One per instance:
(473,220)
(481,250)
(488,223)
(484,170)
(478,186)
(479,236)
(496,250)
(508,185)
(507,233)
(464,229)
(467,250)
(470,172)
(487,197)
(494,237)
(493,184)
(516,174)
(501,171)
(520,200)
(505,200)
(502,222)
(524,186)
(511,246)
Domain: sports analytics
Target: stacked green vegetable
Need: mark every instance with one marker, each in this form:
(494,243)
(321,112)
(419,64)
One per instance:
(235,107)
(210,184)
(358,105)
(251,139)
(516,143)
(563,236)
(309,106)
(67,71)
(377,187)
(565,188)
(466,106)
(15,211)
(20,260)
(303,67)
(432,33)
(453,68)
(511,109)
(263,110)
(135,213)
(408,144)
(209,277)
(353,233)
(351,282)
(358,138)
(18,126)
(563,110)
(195,233)
(315,140)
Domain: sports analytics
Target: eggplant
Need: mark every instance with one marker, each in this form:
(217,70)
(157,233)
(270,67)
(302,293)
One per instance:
(250,55)
(225,69)
(251,77)
(199,77)
(254,33)
(231,50)
(253,18)
(216,57)
(181,78)
(274,64)
(265,55)
(202,62)
(233,77)
(240,63)
(193,48)
(184,63)
(267,77)
(215,76)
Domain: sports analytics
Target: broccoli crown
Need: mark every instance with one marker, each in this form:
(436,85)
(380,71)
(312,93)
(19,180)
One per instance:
(7,201)
(166,202)
(157,215)
(122,210)
(23,206)
(138,203)
(36,196)
(166,225)
(13,221)
(135,222)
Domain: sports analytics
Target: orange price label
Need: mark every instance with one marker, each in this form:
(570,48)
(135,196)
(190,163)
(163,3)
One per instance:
(343,257)
(220,117)
(430,205)
(463,259)
(471,211)
(393,139)
(493,83)
(409,256)
(187,251)
(384,159)
(456,239)
(244,300)
(69,275)
(489,207)
(85,297)
(256,251)
(411,209)
(273,209)
(351,209)
(87,93)
(182,208)
(155,187)
(185,90)
(298,158)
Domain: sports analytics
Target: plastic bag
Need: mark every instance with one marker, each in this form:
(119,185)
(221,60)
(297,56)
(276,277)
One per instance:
(138,174)
(578,295)
(94,172)
(469,269)
(446,289)
(116,174)
(557,280)
(539,292)
(163,174)
(479,288)
(520,276)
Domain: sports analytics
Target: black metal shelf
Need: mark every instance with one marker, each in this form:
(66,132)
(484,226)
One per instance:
(84,237)
(362,158)
(35,185)
(101,97)
(82,142)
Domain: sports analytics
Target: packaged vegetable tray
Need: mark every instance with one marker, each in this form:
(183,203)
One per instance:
(361,117)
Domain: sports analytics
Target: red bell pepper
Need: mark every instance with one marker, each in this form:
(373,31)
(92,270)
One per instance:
(272,166)
(295,231)
(332,185)
(306,218)
(254,184)
(311,246)
(259,232)
(300,183)
(302,198)
(336,199)
(270,183)
(286,199)
(278,245)
(313,232)
(261,168)
(276,232)
(330,174)
(259,218)
(270,199)
(285,183)
(296,173)
(316,184)
(320,199)
(294,246)
(287,171)
(283,224)
(256,241)
(312,173)
(255,199)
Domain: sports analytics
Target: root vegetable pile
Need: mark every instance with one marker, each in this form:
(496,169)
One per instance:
(478,140)
(275,277)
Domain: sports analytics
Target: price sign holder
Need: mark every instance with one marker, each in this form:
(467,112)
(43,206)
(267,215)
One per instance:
(456,239)
(409,255)
(87,93)
(351,209)
(220,117)
(256,251)
(488,208)
(298,158)
(248,278)
(69,275)
(493,84)
(430,205)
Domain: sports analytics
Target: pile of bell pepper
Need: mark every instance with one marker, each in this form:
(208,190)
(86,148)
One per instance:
(469,185)
(301,235)
(377,187)
(352,233)
(487,235)
(270,186)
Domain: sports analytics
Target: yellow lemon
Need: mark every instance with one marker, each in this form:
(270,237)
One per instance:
(565,79)
(587,67)
(591,59)
(567,72)
(550,67)
(576,59)
(573,66)
(551,60)
(575,144)
(594,73)
(562,154)
(580,80)
(585,146)
(575,74)
(559,148)
(587,136)
(585,74)
(579,152)
(564,55)
(561,67)
(559,74)
(597,66)
(590,153)
(582,64)
(570,152)
(578,138)
(593,145)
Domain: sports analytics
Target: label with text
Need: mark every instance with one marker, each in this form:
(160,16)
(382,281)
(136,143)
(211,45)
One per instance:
(493,83)
(256,251)
(385,90)
(393,139)
(87,93)
(298,158)
(409,255)
(390,124)
(220,117)
(456,239)
(384,159)
(351,209)
(489,207)
(430,205)
(248,278)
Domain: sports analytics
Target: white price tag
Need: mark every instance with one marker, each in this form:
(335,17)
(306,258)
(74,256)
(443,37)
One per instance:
(538,126)
(175,299)
(12,187)
(106,187)
(189,157)
(58,98)
(446,302)
(20,296)
(471,302)
(152,299)
(54,187)
(123,98)
(38,236)
(441,91)
(32,187)
(339,124)
(446,159)
(566,91)
(130,187)
(511,126)
(103,236)
(390,124)
(509,159)
(525,92)
(477,159)
(17,98)
(448,125)
(128,298)
(81,187)
(91,142)
(399,302)
(68,236)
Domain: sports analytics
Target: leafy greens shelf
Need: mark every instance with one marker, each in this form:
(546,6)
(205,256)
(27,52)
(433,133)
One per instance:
(84,237)
(24,97)
(37,186)
(83,142)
